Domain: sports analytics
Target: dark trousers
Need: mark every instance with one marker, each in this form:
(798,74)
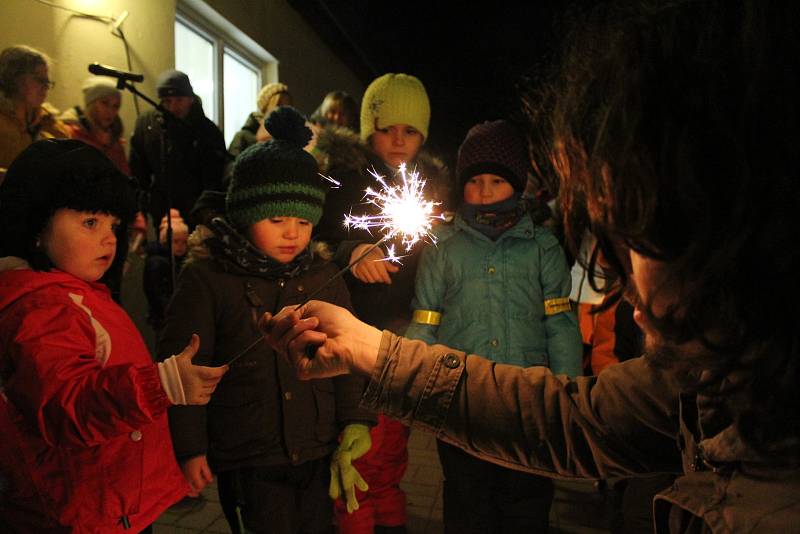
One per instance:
(481,497)
(279,499)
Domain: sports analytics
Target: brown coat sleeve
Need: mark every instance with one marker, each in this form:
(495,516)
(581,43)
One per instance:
(623,423)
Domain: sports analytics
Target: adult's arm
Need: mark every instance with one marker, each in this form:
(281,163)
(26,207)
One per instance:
(622,423)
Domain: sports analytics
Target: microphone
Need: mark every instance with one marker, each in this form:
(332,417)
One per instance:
(104,70)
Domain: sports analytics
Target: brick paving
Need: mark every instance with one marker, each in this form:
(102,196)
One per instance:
(578,508)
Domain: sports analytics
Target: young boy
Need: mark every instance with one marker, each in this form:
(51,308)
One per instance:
(498,286)
(267,435)
(85,444)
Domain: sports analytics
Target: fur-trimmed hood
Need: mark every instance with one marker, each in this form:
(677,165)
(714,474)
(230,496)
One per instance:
(340,149)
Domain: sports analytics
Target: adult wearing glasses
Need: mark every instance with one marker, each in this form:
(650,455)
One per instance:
(24,116)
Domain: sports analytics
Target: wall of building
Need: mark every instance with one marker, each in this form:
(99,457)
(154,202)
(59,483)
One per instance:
(305,63)
(73,42)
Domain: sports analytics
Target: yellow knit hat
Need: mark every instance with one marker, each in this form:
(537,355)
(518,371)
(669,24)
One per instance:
(395,99)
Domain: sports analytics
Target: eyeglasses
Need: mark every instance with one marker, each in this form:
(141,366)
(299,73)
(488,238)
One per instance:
(44,82)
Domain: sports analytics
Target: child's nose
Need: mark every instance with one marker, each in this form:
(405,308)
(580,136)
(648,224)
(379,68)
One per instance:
(399,139)
(290,231)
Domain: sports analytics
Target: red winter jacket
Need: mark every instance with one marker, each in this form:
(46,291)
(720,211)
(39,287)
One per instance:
(84,441)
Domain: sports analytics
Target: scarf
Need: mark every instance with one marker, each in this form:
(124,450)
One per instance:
(229,244)
(493,219)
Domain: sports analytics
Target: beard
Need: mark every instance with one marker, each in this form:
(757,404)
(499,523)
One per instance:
(687,363)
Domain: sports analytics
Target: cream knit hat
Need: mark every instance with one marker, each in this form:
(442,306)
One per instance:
(395,99)
(266,94)
(95,87)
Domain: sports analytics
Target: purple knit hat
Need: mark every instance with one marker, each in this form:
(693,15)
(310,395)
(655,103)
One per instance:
(494,148)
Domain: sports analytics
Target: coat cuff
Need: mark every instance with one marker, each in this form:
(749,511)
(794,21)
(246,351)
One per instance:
(414,382)
(152,391)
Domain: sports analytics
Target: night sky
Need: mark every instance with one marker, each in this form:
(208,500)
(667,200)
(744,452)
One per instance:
(472,57)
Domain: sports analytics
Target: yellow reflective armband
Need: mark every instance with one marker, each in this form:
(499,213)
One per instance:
(427,317)
(554,306)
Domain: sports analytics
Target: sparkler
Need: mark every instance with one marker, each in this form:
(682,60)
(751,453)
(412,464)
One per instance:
(402,212)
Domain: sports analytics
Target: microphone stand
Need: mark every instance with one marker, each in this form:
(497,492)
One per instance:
(124,84)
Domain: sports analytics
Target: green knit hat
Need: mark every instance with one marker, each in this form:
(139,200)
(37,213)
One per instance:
(395,99)
(277,178)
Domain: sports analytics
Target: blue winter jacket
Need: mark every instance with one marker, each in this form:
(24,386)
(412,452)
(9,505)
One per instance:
(491,296)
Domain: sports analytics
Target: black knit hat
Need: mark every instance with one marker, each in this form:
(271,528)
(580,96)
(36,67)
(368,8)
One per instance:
(54,174)
(173,83)
(494,148)
(277,178)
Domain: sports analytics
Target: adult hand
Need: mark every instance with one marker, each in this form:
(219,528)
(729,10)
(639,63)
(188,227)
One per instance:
(344,344)
(373,268)
(344,477)
(197,473)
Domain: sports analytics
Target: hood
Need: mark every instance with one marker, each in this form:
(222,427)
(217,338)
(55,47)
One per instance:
(340,148)
(17,280)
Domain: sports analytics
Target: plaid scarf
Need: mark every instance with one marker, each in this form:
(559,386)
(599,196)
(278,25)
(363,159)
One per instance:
(229,244)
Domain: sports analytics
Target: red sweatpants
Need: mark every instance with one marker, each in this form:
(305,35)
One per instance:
(383,467)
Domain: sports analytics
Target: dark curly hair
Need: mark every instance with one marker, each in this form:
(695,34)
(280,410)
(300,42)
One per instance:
(673,126)
(54,174)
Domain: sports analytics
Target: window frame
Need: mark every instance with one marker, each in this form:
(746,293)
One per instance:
(225,38)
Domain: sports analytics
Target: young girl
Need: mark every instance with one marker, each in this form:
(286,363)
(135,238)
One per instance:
(474,292)
(267,435)
(85,444)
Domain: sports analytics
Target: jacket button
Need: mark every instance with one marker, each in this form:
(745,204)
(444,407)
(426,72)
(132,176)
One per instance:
(494,342)
(287,395)
(492,270)
(451,361)
(300,288)
(295,457)
(136,435)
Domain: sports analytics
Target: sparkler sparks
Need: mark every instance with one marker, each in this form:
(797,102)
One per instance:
(402,210)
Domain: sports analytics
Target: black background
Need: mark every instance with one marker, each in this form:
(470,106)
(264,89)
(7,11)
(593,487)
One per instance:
(473,58)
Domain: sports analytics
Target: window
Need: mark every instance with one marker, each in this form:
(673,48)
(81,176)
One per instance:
(224,65)
(194,55)
(241,84)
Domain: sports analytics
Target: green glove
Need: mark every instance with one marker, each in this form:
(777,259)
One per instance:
(344,477)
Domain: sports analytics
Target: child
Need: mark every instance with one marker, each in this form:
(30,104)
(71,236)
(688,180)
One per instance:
(85,443)
(337,108)
(395,114)
(474,292)
(98,122)
(267,436)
